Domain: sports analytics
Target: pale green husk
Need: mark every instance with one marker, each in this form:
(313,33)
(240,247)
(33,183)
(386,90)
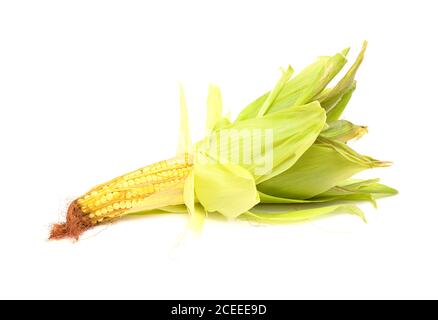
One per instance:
(312,164)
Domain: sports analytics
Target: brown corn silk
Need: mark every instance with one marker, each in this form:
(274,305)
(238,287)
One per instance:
(76,224)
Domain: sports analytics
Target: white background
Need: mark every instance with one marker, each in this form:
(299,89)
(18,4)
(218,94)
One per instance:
(89,90)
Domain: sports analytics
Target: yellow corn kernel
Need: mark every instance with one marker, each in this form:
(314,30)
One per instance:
(121,194)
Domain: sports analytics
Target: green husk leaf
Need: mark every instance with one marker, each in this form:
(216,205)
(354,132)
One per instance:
(351,186)
(275,92)
(335,111)
(184,140)
(267,198)
(343,131)
(214,107)
(181,208)
(349,190)
(379,190)
(324,165)
(226,188)
(329,97)
(286,134)
(302,88)
(359,190)
(299,213)
(349,153)
(197,212)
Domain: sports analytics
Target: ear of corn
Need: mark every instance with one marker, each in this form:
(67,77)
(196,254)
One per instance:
(311,164)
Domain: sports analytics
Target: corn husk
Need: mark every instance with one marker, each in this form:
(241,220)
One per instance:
(325,164)
(312,164)
(299,213)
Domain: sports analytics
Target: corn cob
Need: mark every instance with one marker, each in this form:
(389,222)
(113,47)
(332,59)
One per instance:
(123,195)
(306,153)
